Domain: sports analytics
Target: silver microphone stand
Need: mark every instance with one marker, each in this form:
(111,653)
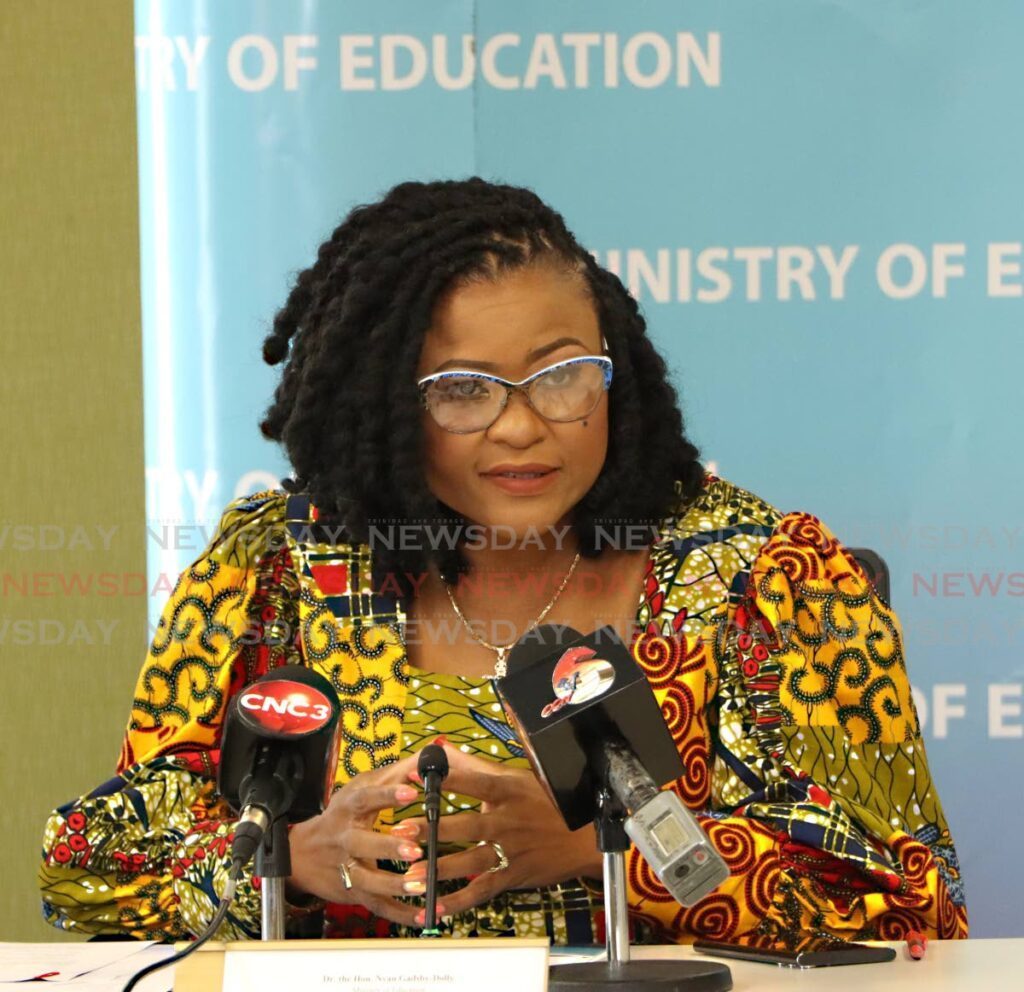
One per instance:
(273,866)
(619,973)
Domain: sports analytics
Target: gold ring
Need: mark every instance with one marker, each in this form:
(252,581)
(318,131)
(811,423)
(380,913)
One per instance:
(346,878)
(498,850)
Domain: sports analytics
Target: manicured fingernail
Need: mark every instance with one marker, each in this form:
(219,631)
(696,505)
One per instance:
(441,740)
(414,887)
(405,793)
(470,878)
(409,830)
(410,852)
(416,871)
(416,777)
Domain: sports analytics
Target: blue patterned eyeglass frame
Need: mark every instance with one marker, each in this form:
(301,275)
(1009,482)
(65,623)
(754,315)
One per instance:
(601,361)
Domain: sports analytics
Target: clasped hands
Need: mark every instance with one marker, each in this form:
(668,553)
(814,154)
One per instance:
(515,813)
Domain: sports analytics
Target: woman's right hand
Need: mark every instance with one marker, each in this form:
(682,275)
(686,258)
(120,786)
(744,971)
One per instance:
(343,835)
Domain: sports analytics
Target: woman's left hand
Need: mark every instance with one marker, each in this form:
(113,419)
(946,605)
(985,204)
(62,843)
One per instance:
(516,813)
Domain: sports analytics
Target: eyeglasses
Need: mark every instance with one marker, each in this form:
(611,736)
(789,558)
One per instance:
(466,402)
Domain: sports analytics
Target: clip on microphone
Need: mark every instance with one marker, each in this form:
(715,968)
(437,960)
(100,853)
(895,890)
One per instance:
(433,769)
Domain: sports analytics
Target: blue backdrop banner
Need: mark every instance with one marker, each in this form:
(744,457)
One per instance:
(817,203)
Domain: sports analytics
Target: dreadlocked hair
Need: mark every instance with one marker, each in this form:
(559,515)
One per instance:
(347,410)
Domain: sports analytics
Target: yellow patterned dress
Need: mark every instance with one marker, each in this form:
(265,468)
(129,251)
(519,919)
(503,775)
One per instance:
(777,666)
(466,711)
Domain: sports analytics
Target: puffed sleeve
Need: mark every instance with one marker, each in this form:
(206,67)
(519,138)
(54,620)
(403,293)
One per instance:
(804,757)
(147,853)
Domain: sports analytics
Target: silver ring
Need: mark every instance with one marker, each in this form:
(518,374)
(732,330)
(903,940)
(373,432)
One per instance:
(346,878)
(498,850)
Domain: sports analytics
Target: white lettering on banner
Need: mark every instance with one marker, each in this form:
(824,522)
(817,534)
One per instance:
(266,63)
(796,268)
(944,708)
(943,268)
(718,273)
(294,60)
(581,45)
(154,63)
(611,61)
(417,55)
(441,69)
(488,62)
(949,703)
(155,59)
(256,481)
(918,276)
(999,709)
(192,58)
(201,494)
(352,60)
(753,257)
(999,267)
(544,62)
(166,489)
(178,496)
(646,60)
(263,69)
(508,61)
(662,60)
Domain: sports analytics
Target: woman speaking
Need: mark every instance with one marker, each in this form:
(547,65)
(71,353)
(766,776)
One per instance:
(484,439)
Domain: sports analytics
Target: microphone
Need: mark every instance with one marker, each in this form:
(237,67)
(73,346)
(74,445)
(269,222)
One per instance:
(585,714)
(433,769)
(664,830)
(279,753)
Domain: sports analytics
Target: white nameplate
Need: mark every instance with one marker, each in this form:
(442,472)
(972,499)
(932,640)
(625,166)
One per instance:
(383,965)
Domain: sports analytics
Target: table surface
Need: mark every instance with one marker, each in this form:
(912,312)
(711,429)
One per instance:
(948,966)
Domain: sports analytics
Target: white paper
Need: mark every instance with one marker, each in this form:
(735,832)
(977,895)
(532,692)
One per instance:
(114,975)
(22,962)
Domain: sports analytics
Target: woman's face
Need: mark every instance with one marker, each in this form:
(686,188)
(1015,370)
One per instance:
(512,327)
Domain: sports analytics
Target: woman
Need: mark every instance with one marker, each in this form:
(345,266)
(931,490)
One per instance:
(480,429)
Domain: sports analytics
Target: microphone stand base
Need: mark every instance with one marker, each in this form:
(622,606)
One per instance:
(639,976)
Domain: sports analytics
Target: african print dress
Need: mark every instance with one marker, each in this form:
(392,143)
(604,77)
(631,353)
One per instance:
(778,668)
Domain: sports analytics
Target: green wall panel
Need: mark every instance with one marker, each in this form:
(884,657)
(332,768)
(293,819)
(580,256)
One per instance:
(71,414)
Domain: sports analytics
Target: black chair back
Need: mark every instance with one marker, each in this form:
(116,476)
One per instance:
(877,570)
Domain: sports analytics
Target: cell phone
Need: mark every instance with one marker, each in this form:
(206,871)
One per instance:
(820,955)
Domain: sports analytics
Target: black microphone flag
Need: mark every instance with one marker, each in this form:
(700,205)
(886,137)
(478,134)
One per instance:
(567,695)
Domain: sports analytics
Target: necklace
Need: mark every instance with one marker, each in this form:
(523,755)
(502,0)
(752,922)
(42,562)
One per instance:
(502,650)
